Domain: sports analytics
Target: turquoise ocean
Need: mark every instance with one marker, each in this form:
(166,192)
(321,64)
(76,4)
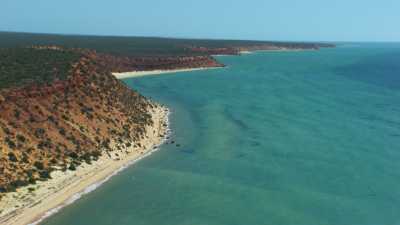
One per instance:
(275,138)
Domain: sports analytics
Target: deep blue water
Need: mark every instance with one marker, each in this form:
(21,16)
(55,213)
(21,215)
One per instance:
(277,138)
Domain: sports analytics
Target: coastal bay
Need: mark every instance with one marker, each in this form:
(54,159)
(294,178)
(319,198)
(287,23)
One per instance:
(262,142)
(64,116)
(199,112)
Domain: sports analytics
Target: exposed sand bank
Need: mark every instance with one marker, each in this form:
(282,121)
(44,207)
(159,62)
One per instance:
(155,72)
(272,50)
(245,52)
(30,207)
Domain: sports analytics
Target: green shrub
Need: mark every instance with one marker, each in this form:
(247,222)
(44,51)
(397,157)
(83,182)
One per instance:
(12,157)
(21,138)
(39,165)
(10,143)
(44,174)
(72,167)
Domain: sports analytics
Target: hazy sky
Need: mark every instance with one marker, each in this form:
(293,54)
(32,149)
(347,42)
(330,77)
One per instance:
(308,20)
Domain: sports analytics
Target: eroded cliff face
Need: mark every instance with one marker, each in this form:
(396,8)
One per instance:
(215,51)
(127,64)
(44,127)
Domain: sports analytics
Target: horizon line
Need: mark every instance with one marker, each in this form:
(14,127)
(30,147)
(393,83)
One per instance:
(189,38)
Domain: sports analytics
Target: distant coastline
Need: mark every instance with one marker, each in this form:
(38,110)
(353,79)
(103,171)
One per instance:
(141,73)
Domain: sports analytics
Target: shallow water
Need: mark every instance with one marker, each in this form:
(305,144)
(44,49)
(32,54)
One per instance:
(276,138)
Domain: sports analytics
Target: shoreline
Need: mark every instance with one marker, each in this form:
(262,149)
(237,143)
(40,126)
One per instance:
(49,197)
(274,50)
(132,74)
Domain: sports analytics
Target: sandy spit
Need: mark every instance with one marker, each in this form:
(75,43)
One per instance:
(156,72)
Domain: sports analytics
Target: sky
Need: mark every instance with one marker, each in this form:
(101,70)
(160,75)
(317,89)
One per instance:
(284,20)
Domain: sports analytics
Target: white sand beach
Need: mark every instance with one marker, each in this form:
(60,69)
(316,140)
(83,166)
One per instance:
(156,72)
(245,52)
